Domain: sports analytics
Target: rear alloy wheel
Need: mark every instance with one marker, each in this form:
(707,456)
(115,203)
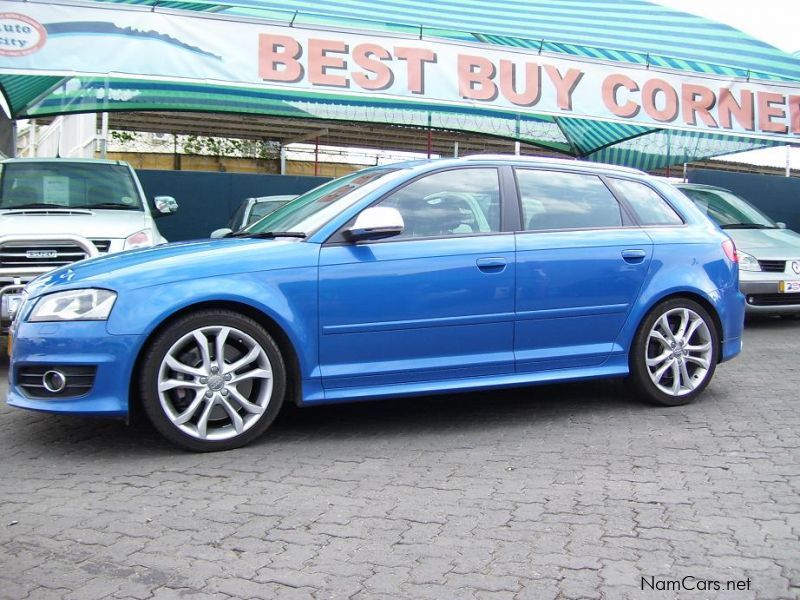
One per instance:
(674,353)
(213,380)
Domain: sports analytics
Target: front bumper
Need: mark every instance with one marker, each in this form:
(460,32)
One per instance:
(762,293)
(75,344)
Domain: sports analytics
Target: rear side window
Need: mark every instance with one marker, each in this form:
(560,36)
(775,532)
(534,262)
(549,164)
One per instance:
(649,207)
(557,200)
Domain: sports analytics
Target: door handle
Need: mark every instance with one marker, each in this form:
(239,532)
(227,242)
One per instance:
(634,256)
(493,264)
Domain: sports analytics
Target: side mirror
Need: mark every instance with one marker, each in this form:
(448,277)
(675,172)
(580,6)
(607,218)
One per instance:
(376,223)
(221,233)
(165,205)
(781,225)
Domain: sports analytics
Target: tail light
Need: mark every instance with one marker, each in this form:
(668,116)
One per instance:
(730,250)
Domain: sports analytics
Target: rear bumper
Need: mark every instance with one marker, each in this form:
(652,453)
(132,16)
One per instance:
(74,344)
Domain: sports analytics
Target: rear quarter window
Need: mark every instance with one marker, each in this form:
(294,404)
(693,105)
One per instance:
(648,206)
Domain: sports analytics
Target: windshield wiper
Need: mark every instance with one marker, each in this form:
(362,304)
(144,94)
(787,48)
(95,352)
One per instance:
(745,226)
(112,205)
(267,235)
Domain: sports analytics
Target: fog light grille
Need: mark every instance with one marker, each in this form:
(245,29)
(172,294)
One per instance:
(39,381)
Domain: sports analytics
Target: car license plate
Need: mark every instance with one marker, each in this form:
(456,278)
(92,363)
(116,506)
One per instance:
(10,305)
(790,287)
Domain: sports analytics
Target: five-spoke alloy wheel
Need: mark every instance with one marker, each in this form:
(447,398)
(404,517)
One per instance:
(213,380)
(674,353)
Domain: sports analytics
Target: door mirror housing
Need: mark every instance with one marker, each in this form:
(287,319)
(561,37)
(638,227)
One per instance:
(165,205)
(781,225)
(220,233)
(376,223)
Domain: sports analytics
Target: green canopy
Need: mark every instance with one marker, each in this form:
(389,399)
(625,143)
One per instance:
(168,56)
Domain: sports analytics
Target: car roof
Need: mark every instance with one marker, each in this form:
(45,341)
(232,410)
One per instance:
(278,198)
(700,186)
(99,161)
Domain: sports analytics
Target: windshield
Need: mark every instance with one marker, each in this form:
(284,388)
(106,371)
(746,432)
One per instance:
(728,210)
(67,185)
(262,209)
(312,210)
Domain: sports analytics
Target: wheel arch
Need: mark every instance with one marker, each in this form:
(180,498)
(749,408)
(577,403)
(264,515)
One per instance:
(694,295)
(282,339)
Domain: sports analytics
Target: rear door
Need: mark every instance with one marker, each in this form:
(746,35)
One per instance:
(581,262)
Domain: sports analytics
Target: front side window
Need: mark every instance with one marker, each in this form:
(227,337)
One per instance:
(649,207)
(54,184)
(455,202)
(558,200)
(312,210)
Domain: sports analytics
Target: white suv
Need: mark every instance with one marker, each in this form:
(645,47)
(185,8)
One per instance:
(57,211)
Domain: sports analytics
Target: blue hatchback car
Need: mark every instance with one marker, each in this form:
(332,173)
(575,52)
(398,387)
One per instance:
(415,278)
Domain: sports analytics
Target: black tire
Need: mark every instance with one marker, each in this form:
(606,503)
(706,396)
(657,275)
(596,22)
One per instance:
(643,347)
(158,404)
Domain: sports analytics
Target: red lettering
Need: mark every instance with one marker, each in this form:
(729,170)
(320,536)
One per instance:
(508,83)
(277,58)
(794,113)
(650,90)
(611,86)
(742,112)
(369,57)
(416,58)
(319,63)
(565,85)
(697,101)
(475,75)
(766,112)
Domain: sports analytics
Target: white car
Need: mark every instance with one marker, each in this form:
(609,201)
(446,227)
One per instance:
(769,254)
(250,211)
(57,211)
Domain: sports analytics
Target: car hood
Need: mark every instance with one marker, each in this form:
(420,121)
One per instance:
(178,261)
(767,244)
(94,224)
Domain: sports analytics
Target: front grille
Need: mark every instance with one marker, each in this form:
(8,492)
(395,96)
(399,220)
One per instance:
(773,299)
(79,380)
(772,266)
(45,254)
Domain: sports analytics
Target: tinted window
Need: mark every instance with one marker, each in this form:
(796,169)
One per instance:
(68,185)
(650,208)
(456,202)
(556,200)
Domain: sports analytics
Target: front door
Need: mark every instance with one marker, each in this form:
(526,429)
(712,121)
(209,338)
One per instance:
(434,303)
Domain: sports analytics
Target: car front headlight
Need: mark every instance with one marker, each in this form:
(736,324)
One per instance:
(74,305)
(140,239)
(747,262)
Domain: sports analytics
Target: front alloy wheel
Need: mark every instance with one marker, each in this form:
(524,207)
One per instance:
(213,381)
(674,353)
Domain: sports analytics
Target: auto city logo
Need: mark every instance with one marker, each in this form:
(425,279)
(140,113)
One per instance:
(20,34)
(796,267)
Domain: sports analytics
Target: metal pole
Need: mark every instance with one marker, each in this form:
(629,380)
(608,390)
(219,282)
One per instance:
(516,148)
(430,142)
(685,173)
(104,135)
(32,138)
(316,156)
(455,149)
(788,161)
(283,160)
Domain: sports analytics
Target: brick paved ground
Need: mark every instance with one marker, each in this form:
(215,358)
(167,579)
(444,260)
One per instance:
(571,492)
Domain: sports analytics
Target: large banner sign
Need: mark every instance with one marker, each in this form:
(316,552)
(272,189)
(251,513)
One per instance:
(124,42)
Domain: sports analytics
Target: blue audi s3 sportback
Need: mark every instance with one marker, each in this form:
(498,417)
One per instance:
(415,278)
